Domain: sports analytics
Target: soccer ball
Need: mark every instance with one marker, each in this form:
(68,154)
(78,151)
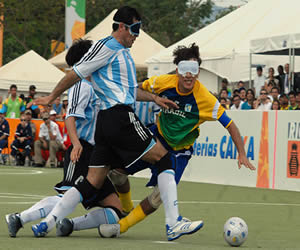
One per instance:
(235,231)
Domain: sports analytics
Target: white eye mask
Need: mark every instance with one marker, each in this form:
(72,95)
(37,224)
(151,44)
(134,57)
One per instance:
(188,66)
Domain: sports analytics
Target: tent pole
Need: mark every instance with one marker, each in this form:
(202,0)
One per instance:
(290,63)
(250,71)
(293,75)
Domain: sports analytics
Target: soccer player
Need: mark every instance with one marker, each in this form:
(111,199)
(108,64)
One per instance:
(81,123)
(196,105)
(121,139)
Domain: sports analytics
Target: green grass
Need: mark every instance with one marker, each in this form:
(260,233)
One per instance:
(274,226)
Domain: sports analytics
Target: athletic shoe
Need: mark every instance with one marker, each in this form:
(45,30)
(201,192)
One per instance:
(64,227)
(13,223)
(109,230)
(40,230)
(183,227)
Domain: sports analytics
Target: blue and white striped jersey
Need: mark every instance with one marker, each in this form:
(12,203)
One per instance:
(147,111)
(84,104)
(113,72)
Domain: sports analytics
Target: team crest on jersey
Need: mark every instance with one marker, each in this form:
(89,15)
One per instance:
(188,107)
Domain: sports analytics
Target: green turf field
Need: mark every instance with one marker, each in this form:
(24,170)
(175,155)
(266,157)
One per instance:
(273,217)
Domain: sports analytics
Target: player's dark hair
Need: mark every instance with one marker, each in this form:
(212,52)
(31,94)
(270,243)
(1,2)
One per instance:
(182,53)
(125,15)
(13,86)
(77,51)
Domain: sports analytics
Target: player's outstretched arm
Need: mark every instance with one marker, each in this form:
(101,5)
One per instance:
(143,95)
(237,139)
(65,83)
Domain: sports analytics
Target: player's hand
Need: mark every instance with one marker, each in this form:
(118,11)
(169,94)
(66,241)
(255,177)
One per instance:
(45,100)
(165,103)
(76,152)
(242,160)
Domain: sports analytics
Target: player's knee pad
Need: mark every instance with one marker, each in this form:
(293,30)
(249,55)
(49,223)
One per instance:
(87,190)
(117,178)
(154,198)
(166,162)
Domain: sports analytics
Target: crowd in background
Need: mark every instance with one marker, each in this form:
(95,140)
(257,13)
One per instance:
(267,93)
(52,136)
(274,92)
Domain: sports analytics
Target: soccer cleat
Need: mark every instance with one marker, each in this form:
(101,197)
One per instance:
(109,230)
(13,223)
(40,230)
(183,227)
(64,227)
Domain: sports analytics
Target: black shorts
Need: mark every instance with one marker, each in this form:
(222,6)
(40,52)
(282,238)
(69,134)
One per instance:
(74,172)
(121,138)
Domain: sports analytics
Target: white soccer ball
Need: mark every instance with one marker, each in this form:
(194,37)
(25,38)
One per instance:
(235,231)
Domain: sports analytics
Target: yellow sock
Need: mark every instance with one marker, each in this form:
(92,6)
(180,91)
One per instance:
(135,216)
(126,201)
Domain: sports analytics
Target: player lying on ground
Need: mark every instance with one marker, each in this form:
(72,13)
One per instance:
(121,139)
(177,130)
(80,121)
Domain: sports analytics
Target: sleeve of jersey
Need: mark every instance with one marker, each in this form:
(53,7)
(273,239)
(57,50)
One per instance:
(97,57)
(17,134)
(225,120)
(151,85)
(78,98)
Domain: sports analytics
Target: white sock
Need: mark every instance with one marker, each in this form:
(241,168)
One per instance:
(168,194)
(95,218)
(39,210)
(65,206)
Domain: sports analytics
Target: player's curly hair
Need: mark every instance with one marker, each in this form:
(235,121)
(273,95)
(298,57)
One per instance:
(186,53)
(77,50)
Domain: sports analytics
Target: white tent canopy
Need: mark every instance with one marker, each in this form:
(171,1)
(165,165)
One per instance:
(225,44)
(144,46)
(28,69)
(276,45)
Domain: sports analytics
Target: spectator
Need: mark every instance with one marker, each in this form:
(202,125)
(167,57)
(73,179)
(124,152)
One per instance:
(262,102)
(286,84)
(34,108)
(298,99)
(241,84)
(57,107)
(292,97)
(53,117)
(28,117)
(271,78)
(236,92)
(50,139)
(243,94)
(275,93)
(13,106)
(275,105)
(280,77)
(224,85)
(250,100)
(23,139)
(284,102)
(259,80)
(1,100)
(64,106)
(237,103)
(223,102)
(4,134)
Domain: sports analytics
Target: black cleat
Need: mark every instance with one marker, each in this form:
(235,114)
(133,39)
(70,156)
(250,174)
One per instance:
(13,223)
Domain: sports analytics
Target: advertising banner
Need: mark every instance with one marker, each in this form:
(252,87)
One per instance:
(75,21)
